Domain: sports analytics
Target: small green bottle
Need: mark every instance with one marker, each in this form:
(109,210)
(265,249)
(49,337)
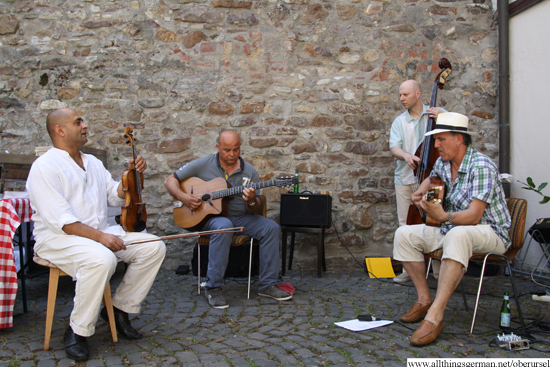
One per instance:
(505,312)
(297,184)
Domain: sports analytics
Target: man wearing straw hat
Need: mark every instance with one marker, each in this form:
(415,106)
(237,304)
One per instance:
(474,219)
(70,192)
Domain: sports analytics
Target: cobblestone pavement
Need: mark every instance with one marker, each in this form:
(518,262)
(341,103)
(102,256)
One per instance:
(182,330)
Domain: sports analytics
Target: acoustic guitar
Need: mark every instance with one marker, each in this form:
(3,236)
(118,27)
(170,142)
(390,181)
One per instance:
(214,195)
(435,195)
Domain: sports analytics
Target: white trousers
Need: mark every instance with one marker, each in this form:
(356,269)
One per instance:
(411,242)
(93,264)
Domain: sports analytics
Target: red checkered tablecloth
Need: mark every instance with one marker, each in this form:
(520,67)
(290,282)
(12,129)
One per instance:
(12,213)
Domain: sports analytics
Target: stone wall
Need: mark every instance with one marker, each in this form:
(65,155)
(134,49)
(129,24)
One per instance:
(311,85)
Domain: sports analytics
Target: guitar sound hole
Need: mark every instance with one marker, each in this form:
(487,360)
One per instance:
(433,195)
(205,197)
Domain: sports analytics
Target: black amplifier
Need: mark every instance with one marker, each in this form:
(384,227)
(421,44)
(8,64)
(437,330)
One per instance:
(306,210)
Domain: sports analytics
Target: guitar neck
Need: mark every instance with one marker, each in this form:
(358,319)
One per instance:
(239,189)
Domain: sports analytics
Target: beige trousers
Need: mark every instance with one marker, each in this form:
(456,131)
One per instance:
(411,242)
(403,200)
(93,264)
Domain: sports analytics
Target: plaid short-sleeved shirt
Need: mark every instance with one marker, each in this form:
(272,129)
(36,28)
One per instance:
(477,178)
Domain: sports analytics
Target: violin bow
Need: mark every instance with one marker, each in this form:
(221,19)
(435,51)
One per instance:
(192,234)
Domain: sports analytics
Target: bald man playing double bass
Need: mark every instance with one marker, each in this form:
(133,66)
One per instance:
(70,192)
(407,133)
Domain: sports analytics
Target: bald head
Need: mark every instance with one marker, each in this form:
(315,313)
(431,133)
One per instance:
(57,117)
(229,137)
(229,148)
(409,95)
(411,84)
(67,129)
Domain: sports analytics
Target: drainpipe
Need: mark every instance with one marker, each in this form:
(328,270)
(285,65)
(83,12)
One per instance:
(503,91)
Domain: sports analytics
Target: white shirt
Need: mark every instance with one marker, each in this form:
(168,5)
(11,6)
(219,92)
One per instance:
(61,193)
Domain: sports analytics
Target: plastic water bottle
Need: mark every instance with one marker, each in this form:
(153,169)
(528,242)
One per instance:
(505,312)
(297,184)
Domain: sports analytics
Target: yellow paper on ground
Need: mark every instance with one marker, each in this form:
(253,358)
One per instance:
(379,267)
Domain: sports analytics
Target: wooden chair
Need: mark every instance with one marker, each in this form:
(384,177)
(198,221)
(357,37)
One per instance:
(518,212)
(238,240)
(55,273)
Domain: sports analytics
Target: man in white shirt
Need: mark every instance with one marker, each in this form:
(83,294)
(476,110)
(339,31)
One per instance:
(70,192)
(407,133)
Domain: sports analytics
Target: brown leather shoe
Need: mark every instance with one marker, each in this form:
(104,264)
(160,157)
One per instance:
(417,312)
(426,333)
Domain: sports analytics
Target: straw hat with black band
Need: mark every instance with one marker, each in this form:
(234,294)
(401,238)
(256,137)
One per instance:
(451,122)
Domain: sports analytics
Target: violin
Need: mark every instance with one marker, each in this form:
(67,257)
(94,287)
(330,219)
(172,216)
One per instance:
(133,214)
(428,154)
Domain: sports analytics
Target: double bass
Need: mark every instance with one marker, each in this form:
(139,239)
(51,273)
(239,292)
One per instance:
(133,214)
(428,155)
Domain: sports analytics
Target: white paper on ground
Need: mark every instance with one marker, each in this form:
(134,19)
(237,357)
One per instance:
(356,325)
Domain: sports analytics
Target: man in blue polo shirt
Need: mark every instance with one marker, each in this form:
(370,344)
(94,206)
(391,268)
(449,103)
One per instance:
(241,212)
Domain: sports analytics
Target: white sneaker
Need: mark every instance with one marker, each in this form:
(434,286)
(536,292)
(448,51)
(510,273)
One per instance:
(402,278)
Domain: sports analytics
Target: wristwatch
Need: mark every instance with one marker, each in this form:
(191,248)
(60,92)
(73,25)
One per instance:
(450,220)
(252,204)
